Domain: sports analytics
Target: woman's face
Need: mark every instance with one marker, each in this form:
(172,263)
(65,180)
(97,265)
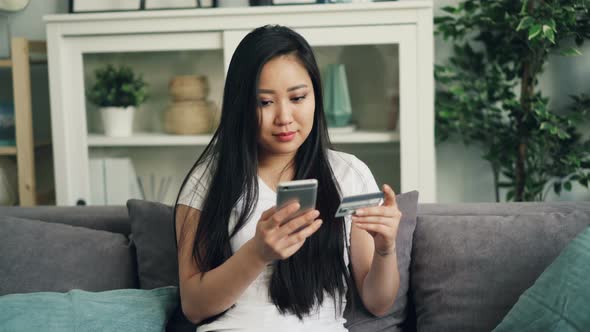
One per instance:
(286,106)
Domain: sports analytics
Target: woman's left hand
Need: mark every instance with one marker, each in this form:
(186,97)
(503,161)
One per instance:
(381,222)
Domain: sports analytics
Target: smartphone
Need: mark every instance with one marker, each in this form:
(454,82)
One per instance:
(302,191)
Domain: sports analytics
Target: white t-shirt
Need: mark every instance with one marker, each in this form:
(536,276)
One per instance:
(253,311)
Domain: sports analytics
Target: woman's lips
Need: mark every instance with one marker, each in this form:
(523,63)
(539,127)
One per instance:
(286,136)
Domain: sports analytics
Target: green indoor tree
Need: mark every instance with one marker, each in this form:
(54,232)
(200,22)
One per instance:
(488,93)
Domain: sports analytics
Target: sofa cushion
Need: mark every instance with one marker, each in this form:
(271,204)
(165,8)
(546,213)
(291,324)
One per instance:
(118,310)
(469,269)
(152,232)
(560,298)
(39,256)
(105,218)
(360,319)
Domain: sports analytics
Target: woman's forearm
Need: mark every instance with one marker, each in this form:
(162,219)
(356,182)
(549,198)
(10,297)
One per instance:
(220,288)
(381,283)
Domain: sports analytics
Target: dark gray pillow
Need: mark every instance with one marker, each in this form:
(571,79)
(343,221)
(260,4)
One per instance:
(468,270)
(37,256)
(360,319)
(152,232)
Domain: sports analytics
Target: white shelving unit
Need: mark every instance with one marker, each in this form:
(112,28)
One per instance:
(156,139)
(402,27)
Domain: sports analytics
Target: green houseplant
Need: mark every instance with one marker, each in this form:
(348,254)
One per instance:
(117,91)
(488,92)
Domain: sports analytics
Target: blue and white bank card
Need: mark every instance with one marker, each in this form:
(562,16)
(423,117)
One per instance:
(349,204)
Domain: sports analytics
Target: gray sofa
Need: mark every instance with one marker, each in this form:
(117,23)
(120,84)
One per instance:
(469,262)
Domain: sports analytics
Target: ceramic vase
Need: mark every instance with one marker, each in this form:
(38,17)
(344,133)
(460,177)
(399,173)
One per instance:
(336,96)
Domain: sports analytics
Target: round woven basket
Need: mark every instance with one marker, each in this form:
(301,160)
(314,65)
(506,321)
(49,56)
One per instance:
(188,87)
(188,118)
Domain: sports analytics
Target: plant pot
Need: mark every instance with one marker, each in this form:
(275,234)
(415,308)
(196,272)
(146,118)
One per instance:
(189,118)
(117,121)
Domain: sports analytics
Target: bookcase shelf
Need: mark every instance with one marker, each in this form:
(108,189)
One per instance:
(159,139)
(23,54)
(392,41)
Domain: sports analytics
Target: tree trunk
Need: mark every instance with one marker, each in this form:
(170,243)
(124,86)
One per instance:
(526,94)
(496,172)
(522,134)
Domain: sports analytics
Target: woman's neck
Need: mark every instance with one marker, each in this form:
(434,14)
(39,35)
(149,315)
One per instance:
(276,168)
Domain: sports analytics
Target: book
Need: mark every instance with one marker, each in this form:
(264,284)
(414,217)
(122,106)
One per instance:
(113,181)
(97,181)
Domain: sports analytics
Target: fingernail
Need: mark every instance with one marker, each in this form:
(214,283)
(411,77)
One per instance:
(359,212)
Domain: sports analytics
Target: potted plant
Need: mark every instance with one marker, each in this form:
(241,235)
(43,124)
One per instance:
(117,92)
(489,92)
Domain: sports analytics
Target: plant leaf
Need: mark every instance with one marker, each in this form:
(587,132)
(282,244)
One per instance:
(552,25)
(450,9)
(510,195)
(525,23)
(549,33)
(572,51)
(534,31)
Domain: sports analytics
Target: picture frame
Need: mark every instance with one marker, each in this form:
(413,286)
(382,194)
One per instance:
(293,2)
(170,4)
(93,6)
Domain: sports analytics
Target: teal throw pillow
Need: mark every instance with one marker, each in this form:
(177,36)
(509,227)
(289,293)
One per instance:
(560,298)
(117,310)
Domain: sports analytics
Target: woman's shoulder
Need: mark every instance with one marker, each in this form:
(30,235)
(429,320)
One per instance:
(345,162)
(353,175)
(203,169)
(194,191)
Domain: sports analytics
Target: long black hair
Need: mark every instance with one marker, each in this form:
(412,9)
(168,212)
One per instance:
(298,283)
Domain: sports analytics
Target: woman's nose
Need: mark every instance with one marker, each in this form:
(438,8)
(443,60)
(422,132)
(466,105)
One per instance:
(284,114)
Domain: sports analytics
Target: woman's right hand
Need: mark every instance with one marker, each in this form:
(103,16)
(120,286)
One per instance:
(276,238)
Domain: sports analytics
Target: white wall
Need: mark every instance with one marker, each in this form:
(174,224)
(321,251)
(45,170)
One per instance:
(462,176)
(28,23)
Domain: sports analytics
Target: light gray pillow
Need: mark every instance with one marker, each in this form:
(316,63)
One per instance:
(37,256)
(362,320)
(468,270)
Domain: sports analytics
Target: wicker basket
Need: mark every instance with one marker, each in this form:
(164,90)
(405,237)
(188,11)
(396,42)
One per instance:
(188,87)
(188,118)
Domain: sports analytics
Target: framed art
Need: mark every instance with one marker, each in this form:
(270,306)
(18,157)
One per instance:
(90,6)
(170,4)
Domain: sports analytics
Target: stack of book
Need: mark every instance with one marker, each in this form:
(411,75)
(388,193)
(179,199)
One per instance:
(113,181)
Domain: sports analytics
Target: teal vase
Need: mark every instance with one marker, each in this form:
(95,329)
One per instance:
(336,96)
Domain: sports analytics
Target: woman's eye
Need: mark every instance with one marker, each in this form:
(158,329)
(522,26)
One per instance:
(264,103)
(298,99)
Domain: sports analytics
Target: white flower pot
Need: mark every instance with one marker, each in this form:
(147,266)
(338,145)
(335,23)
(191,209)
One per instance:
(118,121)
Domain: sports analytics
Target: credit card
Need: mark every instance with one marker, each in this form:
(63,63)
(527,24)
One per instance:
(351,203)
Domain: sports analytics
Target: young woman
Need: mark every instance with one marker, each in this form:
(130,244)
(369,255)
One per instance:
(242,264)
